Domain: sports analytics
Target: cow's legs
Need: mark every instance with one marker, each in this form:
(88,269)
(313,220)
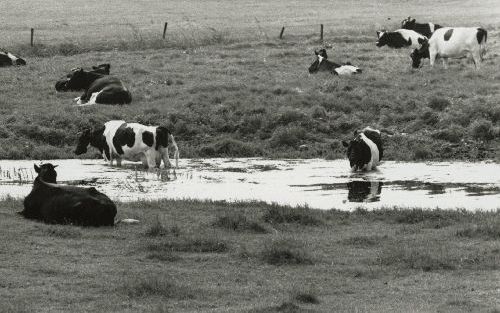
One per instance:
(151,158)
(164,155)
(445,62)
(476,57)
(432,57)
(119,161)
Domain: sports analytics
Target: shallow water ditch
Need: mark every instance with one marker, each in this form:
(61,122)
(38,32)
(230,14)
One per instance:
(322,184)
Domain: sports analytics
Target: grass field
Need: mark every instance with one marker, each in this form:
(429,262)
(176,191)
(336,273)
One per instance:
(236,90)
(189,256)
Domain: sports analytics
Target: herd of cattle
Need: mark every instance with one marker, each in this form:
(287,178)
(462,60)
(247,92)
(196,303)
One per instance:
(117,139)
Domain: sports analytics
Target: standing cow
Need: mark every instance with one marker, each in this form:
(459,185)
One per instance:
(60,204)
(119,140)
(400,38)
(364,151)
(452,42)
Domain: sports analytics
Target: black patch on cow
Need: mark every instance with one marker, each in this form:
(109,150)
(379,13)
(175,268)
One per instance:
(393,40)
(124,136)
(481,35)
(148,138)
(161,137)
(448,34)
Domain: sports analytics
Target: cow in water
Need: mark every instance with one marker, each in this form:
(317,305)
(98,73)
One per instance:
(60,204)
(452,42)
(364,191)
(8,59)
(103,69)
(364,151)
(426,29)
(99,88)
(323,64)
(130,141)
(401,38)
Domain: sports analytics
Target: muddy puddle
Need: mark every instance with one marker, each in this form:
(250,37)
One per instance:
(317,183)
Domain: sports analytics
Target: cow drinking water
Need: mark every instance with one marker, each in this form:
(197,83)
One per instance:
(119,140)
(60,204)
(364,151)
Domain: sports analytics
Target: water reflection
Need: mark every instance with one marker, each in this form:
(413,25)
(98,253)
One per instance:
(364,191)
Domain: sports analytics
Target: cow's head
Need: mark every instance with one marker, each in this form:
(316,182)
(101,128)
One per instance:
(46,172)
(421,53)
(408,23)
(382,38)
(92,136)
(358,152)
(317,64)
(19,61)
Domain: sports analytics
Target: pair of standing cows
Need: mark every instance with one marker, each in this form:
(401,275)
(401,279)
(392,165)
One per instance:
(432,41)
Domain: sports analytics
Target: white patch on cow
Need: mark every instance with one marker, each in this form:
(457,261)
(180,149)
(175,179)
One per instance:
(93,97)
(432,27)
(374,161)
(368,128)
(129,221)
(12,57)
(346,70)
(413,35)
(320,59)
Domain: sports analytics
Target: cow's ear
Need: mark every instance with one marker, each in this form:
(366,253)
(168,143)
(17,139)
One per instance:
(413,20)
(316,52)
(345,143)
(37,169)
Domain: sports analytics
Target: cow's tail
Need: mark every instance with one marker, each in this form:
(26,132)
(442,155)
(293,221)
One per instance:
(482,37)
(176,150)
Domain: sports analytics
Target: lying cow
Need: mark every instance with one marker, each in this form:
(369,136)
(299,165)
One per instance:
(8,59)
(130,141)
(452,42)
(99,69)
(60,204)
(401,38)
(323,64)
(426,29)
(364,151)
(98,88)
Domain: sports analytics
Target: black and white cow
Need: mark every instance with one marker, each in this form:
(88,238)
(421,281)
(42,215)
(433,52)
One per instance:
(98,88)
(452,42)
(364,151)
(60,204)
(323,64)
(99,69)
(426,29)
(130,141)
(401,38)
(8,59)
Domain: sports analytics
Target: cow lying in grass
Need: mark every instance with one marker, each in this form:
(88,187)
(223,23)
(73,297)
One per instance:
(99,69)
(452,42)
(130,141)
(99,88)
(8,59)
(322,64)
(364,151)
(59,204)
(426,29)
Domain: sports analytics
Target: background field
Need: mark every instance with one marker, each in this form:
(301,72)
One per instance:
(228,87)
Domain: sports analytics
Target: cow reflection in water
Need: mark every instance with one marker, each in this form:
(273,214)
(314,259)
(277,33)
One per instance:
(364,191)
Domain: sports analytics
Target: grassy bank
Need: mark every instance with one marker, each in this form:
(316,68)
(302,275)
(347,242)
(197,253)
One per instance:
(234,89)
(190,256)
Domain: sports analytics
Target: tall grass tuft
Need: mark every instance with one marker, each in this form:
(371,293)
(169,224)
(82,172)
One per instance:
(239,222)
(300,215)
(286,252)
(488,231)
(156,285)
(196,244)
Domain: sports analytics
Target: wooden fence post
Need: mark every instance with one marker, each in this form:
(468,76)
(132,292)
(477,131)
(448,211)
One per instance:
(165,30)
(32,35)
(281,33)
(321,33)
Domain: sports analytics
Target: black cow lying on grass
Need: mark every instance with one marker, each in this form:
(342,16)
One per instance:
(364,151)
(59,204)
(99,88)
(323,64)
(99,69)
(8,59)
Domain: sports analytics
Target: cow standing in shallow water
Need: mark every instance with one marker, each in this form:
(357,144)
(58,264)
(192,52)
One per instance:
(99,69)
(59,204)
(452,42)
(401,38)
(130,141)
(426,29)
(323,64)
(364,151)
(98,88)
(8,59)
